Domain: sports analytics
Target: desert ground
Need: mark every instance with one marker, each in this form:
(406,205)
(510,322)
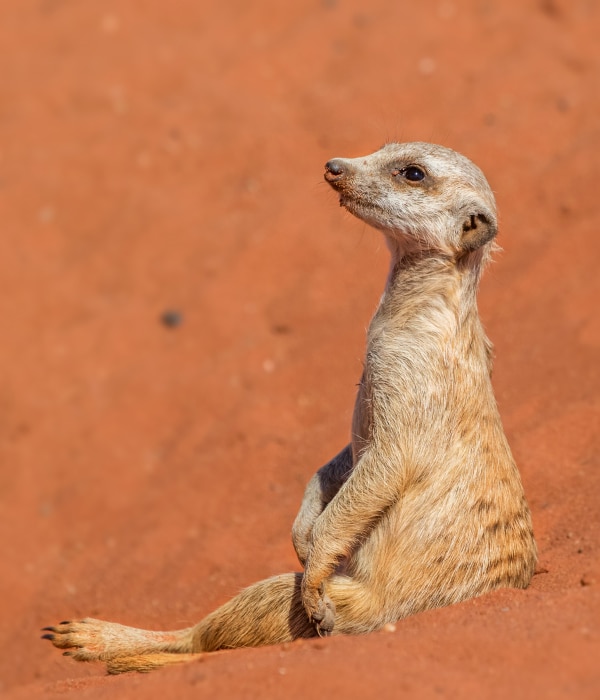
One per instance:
(184,307)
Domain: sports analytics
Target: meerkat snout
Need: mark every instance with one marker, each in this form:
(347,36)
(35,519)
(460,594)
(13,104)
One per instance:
(478,230)
(334,169)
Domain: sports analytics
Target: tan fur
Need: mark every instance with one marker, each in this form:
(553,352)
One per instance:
(425,506)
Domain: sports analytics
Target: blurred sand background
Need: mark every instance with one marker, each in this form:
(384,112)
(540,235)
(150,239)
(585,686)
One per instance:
(168,156)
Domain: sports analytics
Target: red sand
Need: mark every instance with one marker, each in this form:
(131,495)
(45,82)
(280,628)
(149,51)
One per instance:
(159,156)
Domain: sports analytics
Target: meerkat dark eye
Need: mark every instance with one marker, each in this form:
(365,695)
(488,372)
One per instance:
(413,173)
(410,172)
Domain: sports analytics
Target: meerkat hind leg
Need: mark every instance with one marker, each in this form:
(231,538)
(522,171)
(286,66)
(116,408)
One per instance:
(268,612)
(272,612)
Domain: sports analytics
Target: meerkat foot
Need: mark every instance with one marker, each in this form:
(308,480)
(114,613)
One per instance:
(97,640)
(87,639)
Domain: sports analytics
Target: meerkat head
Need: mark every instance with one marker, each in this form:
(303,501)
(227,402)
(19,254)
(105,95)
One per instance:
(422,196)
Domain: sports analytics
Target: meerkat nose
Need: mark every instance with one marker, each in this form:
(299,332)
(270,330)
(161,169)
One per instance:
(334,170)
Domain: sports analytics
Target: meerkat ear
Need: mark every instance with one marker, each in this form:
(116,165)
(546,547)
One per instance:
(478,230)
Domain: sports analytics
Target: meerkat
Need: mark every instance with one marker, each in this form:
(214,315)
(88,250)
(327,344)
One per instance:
(425,506)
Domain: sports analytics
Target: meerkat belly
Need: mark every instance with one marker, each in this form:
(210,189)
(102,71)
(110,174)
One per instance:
(446,542)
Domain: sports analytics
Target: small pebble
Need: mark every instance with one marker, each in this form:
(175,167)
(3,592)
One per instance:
(171,318)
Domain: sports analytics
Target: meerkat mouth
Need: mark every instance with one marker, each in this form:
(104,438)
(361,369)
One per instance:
(350,199)
(361,208)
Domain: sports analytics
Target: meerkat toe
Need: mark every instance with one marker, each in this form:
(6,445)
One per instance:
(61,640)
(83,654)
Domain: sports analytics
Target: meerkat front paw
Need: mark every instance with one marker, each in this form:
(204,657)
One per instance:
(319,608)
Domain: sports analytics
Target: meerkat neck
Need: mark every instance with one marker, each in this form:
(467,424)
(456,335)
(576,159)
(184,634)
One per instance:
(422,281)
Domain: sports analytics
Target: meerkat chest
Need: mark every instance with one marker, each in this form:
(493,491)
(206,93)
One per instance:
(399,379)
(410,360)
(416,375)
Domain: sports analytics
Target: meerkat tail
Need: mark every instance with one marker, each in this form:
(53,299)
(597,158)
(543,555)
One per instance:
(144,663)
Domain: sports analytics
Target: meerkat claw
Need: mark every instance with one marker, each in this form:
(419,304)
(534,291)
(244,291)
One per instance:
(324,617)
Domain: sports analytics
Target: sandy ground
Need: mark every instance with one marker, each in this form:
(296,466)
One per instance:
(161,157)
